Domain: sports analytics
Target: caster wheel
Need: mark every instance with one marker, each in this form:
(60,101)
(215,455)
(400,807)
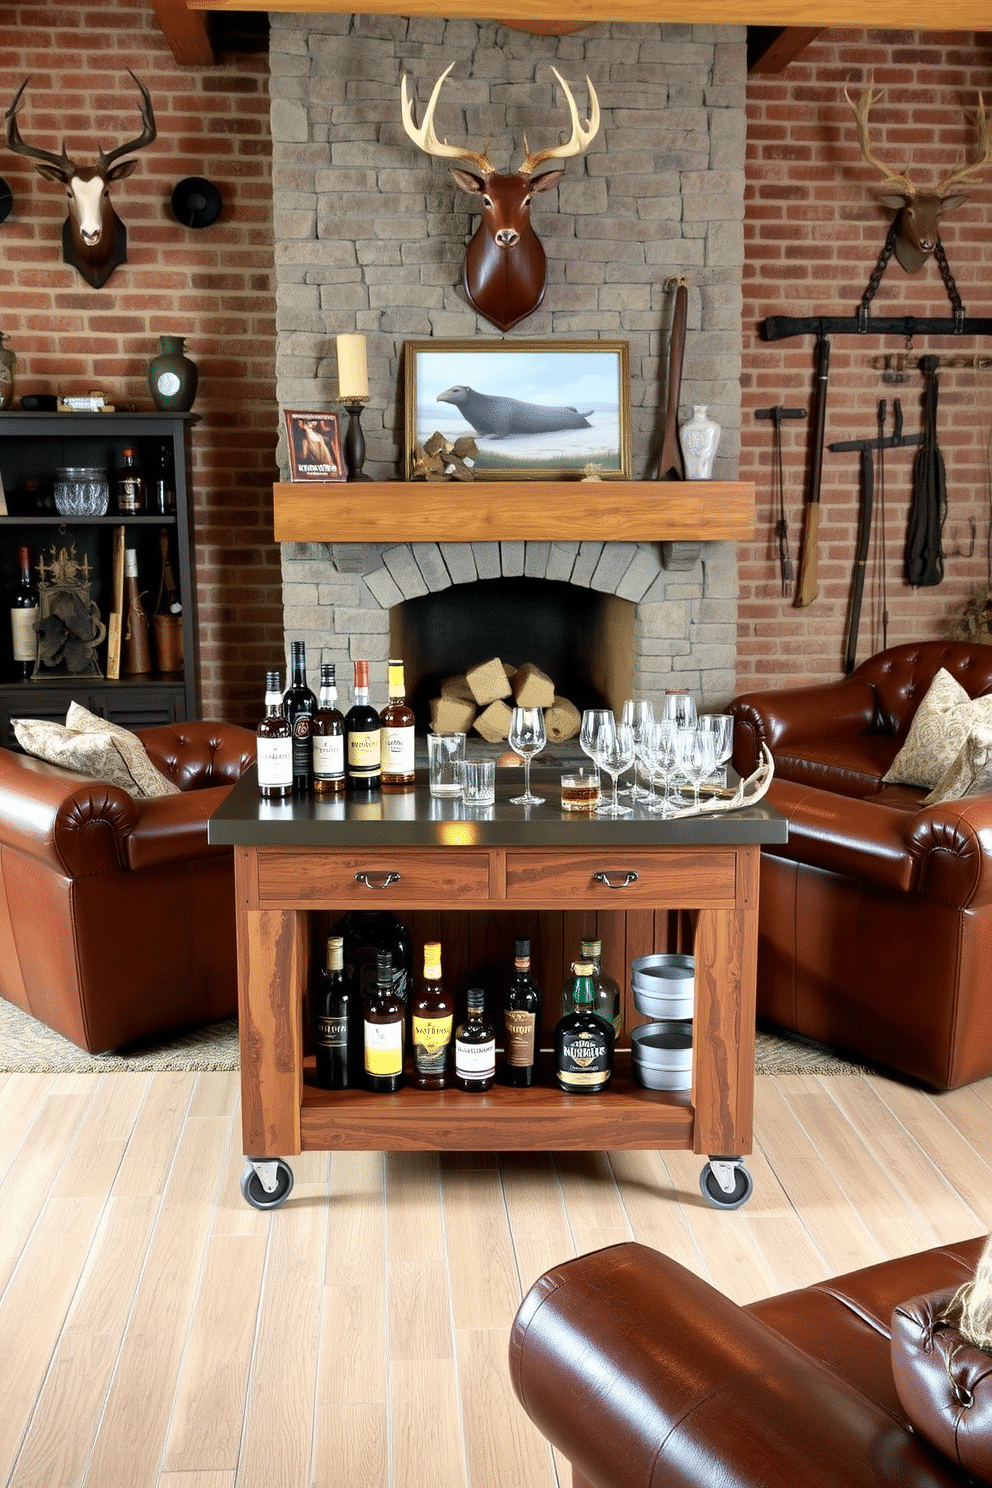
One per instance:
(255,1192)
(720,1197)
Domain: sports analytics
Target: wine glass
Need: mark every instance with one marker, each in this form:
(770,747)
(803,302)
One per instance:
(721,725)
(592,720)
(697,757)
(640,716)
(527,737)
(681,707)
(664,744)
(614,754)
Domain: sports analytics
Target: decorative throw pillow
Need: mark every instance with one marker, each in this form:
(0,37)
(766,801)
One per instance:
(147,779)
(106,752)
(940,726)
(969,772)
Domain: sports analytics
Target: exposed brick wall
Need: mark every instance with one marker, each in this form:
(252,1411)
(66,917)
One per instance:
(212,286)
(813,231)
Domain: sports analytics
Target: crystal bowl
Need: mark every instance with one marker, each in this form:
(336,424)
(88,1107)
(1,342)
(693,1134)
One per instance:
(81,491)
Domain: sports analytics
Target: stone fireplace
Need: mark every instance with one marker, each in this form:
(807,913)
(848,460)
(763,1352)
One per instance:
(370,236)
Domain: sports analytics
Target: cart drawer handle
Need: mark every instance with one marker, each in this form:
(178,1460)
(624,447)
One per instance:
(604,878)
(387,879)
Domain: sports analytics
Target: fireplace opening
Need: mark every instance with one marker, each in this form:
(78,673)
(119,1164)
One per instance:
(581,638)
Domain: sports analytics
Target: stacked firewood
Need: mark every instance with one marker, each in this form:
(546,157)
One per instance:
(484,697)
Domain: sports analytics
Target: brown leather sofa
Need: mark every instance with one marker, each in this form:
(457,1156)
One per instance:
(643,1375)
(875,927)
(116,916)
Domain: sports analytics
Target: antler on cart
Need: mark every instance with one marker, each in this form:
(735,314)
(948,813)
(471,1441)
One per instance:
(748,791)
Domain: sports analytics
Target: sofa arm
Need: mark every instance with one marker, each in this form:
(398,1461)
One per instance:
(643,1375)
(792,716)
(173,829)
(847,835)
(77,827)
(951,845)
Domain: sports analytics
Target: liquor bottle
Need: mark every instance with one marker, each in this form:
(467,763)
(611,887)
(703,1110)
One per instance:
(475,1047)
(130,485)
(397,741)
(384,1027)
(521,1019)
(365,933)
(606,992)
(362,737)
(338,1025)
(163,482)
(274,746)
(327,731)
(300,705)
(583,1041)
(432,1012)
(136,656)
(23,618)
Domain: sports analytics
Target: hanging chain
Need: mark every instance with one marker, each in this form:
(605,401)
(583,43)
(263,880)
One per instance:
(949,285)
(876,274)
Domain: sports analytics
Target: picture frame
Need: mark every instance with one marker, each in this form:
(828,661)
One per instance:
(582,421)
(313,440)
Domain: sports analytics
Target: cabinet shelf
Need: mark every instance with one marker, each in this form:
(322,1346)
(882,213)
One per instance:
(111,519)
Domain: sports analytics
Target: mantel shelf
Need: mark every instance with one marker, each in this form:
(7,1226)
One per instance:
(514,511)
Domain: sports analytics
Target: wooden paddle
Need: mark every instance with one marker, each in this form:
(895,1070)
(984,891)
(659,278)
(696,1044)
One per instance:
(670,466)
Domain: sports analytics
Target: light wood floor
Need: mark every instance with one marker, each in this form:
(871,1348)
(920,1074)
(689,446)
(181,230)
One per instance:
(156,1332)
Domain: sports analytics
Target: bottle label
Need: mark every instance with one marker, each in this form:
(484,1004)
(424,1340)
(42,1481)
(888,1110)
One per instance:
(275,761)
(584,1079)
(130,493)
(332,1033)
(364,753)
(521,1029)
(328,756)
(475,1061)
(584,1060)
(431,1037)
(398,751)
(384,1048)
(23,634)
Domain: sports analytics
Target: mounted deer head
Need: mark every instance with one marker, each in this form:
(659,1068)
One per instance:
(506,271)
(917,225)
(94,239)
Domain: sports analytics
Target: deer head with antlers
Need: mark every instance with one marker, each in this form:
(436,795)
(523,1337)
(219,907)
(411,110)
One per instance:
(506,270)
(917,225)
(94,239)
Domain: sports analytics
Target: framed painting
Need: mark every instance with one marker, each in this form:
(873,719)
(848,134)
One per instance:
(537,410)
(314,443)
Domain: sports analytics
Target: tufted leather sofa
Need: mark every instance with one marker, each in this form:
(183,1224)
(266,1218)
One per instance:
(643,1375)
(116,915)
(875,930)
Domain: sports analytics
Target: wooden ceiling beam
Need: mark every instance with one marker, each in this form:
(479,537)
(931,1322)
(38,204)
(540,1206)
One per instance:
(187,32)
(770,49)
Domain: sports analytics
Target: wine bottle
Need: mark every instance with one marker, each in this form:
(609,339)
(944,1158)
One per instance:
(397,735)
(274,746)
(475,1047)
(23,618)
(583,1041)
(384,1029)
(136,658)
(130,485)
(362,737)
(300,706)
(338,1025)
(432,1014)
(327,731)
(163,482)
(521,1019)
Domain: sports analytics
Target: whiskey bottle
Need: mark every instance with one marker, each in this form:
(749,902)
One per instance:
(300,705)
(327,731)
(164,482)
(136,656)
(338,1029)
(274,746)
(362,737)
(432,1014)
(397,737)
(23,617)
(475,1047)
(384,1028)
(521,1020)
(130,485)
(583,1041)
(606,992)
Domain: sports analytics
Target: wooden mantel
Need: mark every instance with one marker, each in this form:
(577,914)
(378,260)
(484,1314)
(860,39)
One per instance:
(515,511)
(913,15)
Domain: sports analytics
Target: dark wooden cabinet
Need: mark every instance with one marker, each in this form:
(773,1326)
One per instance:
(33,446)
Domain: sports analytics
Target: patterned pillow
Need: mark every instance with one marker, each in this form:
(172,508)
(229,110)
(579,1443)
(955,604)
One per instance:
(971,770)
(940,726)
(148,780)
(108,752)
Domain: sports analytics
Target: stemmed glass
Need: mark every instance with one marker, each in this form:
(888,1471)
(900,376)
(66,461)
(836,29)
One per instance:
(680,706)
(592,721)
(664,742)
(639,715)
(721,725)
(527,737)
(614,754)
(697,757)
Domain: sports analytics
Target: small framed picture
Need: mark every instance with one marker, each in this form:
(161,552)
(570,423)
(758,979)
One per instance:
(314,442)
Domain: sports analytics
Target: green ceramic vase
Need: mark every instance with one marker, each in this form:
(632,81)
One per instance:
(172,376)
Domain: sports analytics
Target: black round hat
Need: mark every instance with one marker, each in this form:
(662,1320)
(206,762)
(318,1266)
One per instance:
(196,202)
(6,201)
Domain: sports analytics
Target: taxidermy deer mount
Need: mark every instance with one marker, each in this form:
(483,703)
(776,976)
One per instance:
(506,270)
(917,224)
(94,239)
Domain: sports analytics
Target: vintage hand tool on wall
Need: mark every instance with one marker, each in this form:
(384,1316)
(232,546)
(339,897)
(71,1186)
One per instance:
(670,466)
(782,525)
(924,551)
(807,588)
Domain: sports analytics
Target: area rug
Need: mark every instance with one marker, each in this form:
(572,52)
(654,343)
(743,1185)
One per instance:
(28,1047)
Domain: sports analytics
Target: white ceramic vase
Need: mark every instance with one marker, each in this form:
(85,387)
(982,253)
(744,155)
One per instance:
(699,438)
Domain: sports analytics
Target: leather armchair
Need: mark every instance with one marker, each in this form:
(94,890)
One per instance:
(116,915)
(643,1375)
(875,921)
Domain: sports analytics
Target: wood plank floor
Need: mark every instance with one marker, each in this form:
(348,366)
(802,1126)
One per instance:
(157,1332)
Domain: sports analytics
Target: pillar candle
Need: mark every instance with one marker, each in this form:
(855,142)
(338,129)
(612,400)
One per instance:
(353,373)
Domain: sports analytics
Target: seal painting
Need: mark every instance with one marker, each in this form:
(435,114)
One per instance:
(502,417)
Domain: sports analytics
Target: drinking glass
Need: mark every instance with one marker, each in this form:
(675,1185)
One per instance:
(592,720)
(664,741)
(527,737)
(614,754)
(680,706)
(696,757)
(721,725)
(640,716)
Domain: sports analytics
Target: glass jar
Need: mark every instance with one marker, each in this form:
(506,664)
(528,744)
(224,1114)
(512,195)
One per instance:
(81,491)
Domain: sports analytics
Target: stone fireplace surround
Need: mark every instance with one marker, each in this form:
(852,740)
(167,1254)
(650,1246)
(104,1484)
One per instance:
(370,236)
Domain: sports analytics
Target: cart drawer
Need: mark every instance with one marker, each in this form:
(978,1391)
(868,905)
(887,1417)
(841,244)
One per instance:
(618,878)
(394,879)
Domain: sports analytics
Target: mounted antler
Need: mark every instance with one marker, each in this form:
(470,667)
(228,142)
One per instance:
(506,270)
(147,135)
(919,212)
